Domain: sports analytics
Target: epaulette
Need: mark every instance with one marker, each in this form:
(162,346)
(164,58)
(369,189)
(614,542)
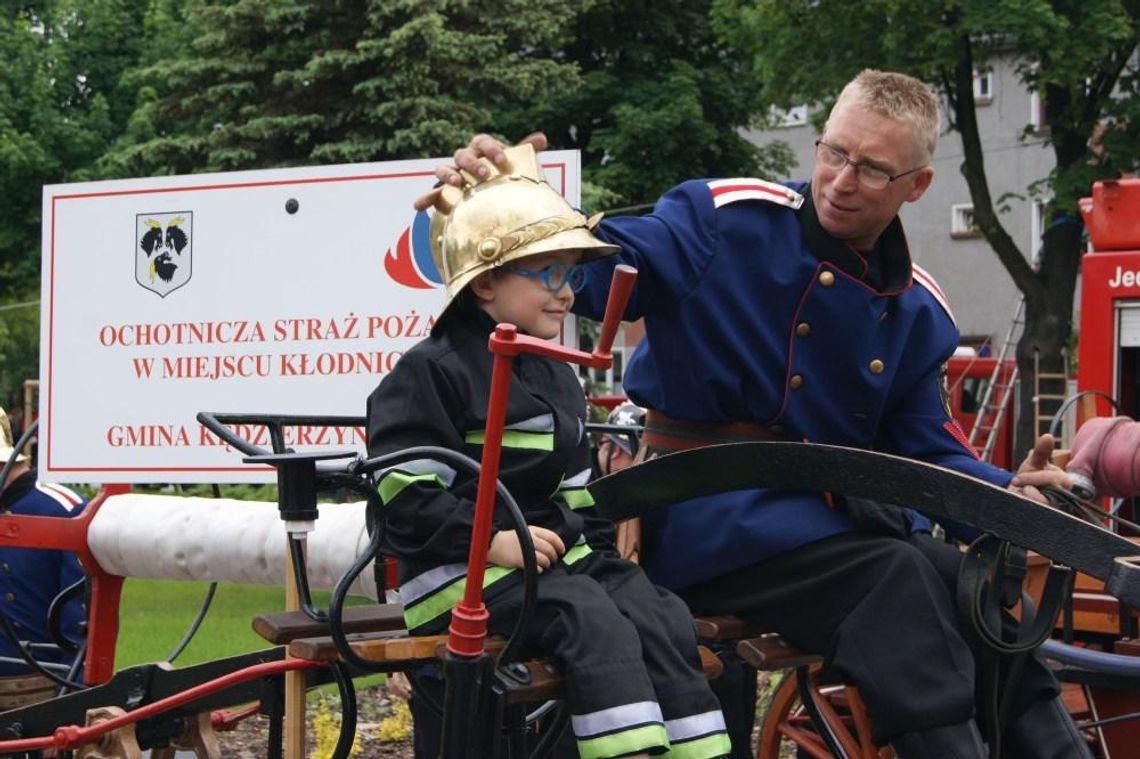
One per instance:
(65,497)
(922,277)
(725,191)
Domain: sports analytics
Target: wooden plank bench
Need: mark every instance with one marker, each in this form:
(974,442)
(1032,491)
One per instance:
(760,648)
(376,633)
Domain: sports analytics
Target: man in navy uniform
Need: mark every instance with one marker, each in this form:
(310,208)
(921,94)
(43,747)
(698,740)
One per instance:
(796,312)
(30,580)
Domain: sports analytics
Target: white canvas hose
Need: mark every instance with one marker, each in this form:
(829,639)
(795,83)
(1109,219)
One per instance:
(223,540)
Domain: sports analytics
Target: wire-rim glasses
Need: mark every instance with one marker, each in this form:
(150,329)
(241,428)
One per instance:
(869,176)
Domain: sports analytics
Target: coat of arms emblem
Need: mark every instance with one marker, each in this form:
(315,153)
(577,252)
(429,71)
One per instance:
(163,250)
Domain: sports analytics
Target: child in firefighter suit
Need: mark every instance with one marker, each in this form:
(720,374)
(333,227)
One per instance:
(508,249)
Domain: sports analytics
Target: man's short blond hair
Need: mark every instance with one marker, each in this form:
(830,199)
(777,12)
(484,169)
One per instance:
(899,97)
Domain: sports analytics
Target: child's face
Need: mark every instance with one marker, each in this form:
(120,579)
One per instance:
(525,301)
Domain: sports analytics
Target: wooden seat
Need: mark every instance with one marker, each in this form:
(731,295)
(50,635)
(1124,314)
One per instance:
(376,633)
(770,652)
(284,627)
(726,627)
(760,648)
(535,680)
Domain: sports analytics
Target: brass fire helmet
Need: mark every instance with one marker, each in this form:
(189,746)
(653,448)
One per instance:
(508,216)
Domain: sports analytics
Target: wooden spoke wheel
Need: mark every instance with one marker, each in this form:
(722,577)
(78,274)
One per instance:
(841,709)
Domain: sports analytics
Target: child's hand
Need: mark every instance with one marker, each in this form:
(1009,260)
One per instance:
(506,551)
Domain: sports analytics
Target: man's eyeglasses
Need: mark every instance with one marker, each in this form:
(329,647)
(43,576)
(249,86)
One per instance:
(869,176)
(555,276)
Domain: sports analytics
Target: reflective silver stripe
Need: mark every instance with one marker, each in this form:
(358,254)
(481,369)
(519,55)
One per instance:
(579,480)
(428,582)
(422,466)
(616,718)
(695,725)
(540,423)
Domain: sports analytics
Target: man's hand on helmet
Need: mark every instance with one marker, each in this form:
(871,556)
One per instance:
(467,159)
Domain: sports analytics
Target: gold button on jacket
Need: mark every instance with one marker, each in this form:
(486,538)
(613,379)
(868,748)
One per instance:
(876,366)
(827,279)
(796,381)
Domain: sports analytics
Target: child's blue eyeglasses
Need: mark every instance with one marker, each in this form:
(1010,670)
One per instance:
(555,276)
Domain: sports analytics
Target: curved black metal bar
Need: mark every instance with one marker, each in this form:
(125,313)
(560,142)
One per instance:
(216,422)
(55,612)
(74,674)
(553,731)
(304,595)
(212,422)
(195,624)
(347,690)
(1055,422)
(336,609)
(10,635)
(934,490)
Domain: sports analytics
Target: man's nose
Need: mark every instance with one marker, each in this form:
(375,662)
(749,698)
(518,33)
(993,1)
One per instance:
(847,177)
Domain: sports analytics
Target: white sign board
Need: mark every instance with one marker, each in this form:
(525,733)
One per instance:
(273,292)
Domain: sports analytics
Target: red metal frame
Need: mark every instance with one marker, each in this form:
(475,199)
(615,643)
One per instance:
(70,534)
(468,629)
(68,737)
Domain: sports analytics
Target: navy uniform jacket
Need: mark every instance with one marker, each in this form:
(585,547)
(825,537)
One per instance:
(754,313)
(31,578)
(437,395)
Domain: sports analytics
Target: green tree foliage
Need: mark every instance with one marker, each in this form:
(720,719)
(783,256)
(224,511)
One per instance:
(1077,55)
(662,99)
(59,101)
(62,102)
(267,83)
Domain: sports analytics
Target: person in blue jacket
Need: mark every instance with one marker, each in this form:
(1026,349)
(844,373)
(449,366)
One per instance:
(30,581)
(797,312)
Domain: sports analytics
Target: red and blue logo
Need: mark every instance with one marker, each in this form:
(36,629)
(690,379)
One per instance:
(409,261)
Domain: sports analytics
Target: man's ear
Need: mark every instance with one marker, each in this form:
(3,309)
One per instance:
(922,180)
(483,287)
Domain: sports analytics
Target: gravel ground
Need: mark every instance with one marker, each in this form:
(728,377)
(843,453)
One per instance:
(248,740)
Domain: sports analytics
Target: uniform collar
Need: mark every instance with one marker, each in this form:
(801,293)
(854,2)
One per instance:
(18,489)
(886,268)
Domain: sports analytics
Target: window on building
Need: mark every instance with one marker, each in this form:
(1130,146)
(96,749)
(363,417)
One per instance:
(610,379)
(795,116)
(962,224)
(1037,112)
(983,87)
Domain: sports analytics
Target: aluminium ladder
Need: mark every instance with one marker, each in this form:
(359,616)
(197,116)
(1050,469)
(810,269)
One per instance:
(996,396)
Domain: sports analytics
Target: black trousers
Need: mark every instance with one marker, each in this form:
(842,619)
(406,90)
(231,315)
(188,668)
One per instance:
(880,610)
(620,640)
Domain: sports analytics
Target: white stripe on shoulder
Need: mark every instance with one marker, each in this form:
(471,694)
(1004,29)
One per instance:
(922,277)
(736,189)
(65,497)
